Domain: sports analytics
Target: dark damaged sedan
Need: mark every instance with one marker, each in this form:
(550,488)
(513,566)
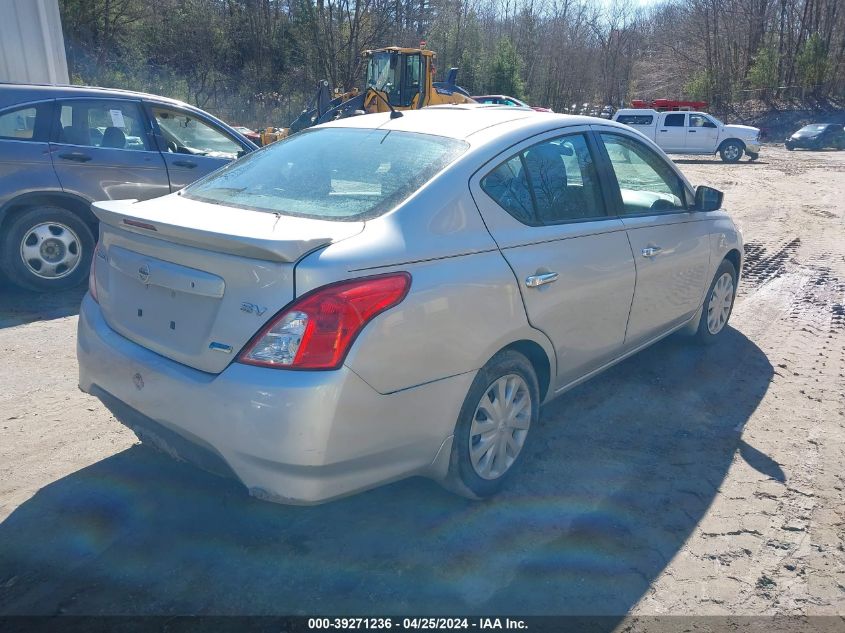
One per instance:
(817,136)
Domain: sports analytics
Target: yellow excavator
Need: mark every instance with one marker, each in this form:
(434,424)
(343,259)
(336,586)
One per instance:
(397,79)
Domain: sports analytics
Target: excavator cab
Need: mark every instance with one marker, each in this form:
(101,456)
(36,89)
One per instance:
(401,77)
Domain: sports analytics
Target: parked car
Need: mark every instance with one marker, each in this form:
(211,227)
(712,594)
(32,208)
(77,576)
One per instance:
(249,133)
(62,147)
(369,300)
(817,136)
(693,133)
(508,101)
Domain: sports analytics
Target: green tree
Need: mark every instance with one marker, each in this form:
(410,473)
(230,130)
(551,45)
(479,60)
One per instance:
(763,73)
(813,63)
(506,70)
(700,86)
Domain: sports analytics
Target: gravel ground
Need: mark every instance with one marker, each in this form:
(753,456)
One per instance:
(684,481)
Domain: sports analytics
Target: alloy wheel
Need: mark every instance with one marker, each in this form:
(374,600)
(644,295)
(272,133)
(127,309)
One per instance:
(732,152)
(51,250)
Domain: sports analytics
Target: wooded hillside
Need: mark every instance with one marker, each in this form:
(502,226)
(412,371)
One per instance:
(257,62)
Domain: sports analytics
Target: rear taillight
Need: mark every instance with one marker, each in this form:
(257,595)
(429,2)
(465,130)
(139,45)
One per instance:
(92,273)
(317,330)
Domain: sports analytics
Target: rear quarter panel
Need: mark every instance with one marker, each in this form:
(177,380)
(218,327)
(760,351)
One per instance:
(464,303)
(25,167)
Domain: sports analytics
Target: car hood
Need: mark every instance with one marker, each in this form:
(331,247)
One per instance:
(744,131)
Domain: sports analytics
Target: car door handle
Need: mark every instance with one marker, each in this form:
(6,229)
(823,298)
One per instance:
(691,131)
(184,163)
(539,280)
(651,251)
(664,130)
(79,157)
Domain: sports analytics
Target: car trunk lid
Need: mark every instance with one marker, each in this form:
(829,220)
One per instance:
(194,281)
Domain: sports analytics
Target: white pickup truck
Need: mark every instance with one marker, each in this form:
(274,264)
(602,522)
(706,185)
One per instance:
(693,133)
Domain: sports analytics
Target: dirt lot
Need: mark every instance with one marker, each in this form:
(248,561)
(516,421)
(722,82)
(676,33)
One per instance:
(683,481)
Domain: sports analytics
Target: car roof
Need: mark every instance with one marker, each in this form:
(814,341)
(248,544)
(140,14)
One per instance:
(464,120)
(13,93)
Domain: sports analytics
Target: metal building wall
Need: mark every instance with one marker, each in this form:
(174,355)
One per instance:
(32,47)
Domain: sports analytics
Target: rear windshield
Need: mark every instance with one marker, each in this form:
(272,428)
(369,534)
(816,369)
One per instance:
(331,173)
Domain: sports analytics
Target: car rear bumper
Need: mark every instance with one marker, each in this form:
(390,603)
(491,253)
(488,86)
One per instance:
(288,436)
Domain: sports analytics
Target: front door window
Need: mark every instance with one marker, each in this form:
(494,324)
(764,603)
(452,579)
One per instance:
(646,183)
(186,134)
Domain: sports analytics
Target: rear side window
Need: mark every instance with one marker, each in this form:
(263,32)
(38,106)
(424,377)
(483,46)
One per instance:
(102,123)
(29,123)
(342,174)
(635,119)
(549,183)
(675,120)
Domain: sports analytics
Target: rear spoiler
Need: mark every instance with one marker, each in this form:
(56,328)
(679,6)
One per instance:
(242,232)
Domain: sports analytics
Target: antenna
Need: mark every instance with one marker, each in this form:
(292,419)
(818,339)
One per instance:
(394,114)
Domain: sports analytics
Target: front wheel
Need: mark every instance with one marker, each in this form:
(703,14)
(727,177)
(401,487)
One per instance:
(718,304)
(46,248)
(731,151)
(500,408)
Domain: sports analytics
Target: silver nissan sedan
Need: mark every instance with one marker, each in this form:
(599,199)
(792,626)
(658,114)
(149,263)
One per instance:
(381,297)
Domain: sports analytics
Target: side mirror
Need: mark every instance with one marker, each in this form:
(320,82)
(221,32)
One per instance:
(708,199)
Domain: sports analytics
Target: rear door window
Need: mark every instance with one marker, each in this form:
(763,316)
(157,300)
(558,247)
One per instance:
(508,186)
(675,120)
(549,183)
(102,123)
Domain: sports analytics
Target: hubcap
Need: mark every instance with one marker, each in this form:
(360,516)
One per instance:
(51,250)
(731,152)
(500,426)
(719,306)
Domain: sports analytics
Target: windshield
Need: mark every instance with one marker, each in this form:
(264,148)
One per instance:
(331,173)
(815,127)
(383,72)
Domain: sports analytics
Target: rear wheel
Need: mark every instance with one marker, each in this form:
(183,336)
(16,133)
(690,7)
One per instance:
(46,248)
(731,151)
(718,304)
(494,423)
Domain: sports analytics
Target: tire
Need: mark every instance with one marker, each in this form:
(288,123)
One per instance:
(731,151)
(790,147)
(473,471)
(60,261)
(710,329)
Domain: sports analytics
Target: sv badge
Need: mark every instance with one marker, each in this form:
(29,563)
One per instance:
(253,308)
